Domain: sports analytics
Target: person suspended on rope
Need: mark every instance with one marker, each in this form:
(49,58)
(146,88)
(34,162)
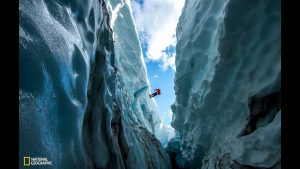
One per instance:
(157,92)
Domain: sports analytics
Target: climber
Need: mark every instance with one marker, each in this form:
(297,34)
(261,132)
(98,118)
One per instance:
(157,92)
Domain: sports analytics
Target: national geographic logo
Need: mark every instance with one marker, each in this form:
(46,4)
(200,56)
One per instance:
(31,161)
(26,161)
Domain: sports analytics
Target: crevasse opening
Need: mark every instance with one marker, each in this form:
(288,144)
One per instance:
(158,43)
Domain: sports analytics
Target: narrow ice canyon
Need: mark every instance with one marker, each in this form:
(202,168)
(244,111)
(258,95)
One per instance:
(83,87)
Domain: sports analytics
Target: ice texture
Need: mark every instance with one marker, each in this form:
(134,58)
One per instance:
(227,84)
(80,68)
(133,69)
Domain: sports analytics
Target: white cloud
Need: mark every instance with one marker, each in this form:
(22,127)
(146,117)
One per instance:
(157,21)
(168,62)
(155,76)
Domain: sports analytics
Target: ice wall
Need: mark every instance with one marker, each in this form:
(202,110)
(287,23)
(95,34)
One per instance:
(227,85)
(133,68)
(80,70)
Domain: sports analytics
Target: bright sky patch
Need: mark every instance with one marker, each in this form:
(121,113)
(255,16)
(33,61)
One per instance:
(156,22)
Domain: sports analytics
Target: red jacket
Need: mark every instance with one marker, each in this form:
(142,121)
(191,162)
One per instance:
(158,91)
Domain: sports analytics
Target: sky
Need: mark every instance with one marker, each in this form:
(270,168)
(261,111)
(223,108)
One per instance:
(156,22)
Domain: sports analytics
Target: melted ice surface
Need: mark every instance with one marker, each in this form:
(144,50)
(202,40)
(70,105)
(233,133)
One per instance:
(227,52)
(80,67)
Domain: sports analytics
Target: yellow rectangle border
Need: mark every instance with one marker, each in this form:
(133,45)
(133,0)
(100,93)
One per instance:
(26,164)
